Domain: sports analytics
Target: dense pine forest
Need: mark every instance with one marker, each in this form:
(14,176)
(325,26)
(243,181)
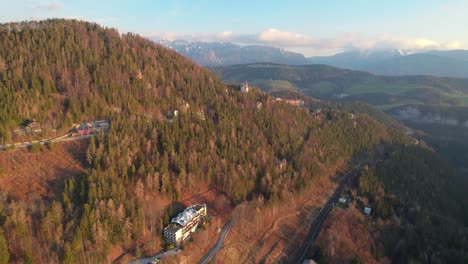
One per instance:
(419,214)
(61,72)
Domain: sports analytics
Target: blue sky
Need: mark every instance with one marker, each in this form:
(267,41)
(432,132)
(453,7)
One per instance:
(314,27)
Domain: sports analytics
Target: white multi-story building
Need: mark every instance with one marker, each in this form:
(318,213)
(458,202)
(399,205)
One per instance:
(184,224)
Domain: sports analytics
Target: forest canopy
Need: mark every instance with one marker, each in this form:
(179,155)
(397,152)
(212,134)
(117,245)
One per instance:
(61,72)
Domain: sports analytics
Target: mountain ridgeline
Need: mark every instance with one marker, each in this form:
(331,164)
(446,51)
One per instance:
(390,62)
(61,72)
(450,63)
(221,54)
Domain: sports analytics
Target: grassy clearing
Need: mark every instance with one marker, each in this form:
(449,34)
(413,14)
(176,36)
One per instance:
(274,85)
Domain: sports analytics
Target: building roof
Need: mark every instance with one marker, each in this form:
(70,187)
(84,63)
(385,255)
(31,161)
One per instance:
(184,217)
(367,210)
(197,206)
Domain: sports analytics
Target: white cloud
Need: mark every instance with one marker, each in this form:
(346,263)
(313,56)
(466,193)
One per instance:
(421,43)
(414,44)
(272,37)
(312,45)
(278,37)
(225,35)
(454,45)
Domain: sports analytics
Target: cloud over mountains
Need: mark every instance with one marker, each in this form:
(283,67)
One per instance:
(291,40)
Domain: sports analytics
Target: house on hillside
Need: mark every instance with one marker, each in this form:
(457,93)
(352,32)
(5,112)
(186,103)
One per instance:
(201,114)
(139,75)
(316,113)
(171,114)
(31,126)
(244,88)
(83,129)
(281,164)
(185,107)
(296,102)
(259,105)
(367,210)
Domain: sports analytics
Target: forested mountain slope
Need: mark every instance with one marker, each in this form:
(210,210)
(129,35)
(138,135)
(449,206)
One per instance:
(419,214)
(406,98)
(59,72)
(64,71)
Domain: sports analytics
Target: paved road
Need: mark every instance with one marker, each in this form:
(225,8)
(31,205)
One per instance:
(61,138)
(318,222)
(210,256)
(160,255)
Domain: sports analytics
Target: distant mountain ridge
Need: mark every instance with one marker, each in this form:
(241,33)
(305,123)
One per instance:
(358,59)
(391,62)
(450,63)
(222,54)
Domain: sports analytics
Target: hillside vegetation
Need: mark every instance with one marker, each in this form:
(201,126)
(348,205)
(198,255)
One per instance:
(64,71)
(418,213)
(444,128)
(59,72)
(434,106)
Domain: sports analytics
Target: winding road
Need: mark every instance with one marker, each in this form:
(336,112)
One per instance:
(210,256)
(160,255)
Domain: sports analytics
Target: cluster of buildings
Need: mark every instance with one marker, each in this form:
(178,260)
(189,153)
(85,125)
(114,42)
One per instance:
(296,102)
(244,88)
(185,223)
(30,126)
(173,114)
(90,128)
